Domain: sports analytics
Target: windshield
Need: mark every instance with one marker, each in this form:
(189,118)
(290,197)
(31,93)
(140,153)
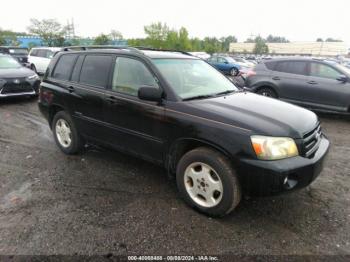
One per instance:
(7,62)
(192,78)
(18,51)
(344,69)
(230,60)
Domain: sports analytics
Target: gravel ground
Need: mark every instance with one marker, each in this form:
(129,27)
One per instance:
(102,202)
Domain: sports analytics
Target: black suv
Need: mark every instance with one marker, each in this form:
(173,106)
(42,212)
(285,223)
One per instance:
(178,111)
(19,53)
(312,83)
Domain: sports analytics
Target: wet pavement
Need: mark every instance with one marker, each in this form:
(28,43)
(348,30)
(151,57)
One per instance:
(104,202)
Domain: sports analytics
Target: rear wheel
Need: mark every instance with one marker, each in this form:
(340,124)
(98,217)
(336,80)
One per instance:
(266,91)
(207,182)
(65,133)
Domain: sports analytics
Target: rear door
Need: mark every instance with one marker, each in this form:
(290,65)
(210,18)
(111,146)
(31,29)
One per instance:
(290,79)
(324,91)
(89,80)
(134,125)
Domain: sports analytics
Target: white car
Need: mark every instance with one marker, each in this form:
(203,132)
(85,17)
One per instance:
(40,57)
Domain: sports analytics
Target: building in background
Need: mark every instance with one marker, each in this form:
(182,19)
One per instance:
(296,48)
(33,41)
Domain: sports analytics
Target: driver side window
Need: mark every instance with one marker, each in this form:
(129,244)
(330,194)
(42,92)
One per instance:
(324,71)
(129,75)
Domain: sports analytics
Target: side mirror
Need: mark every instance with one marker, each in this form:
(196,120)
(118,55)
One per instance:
(342,78)
(226,62)
(150,93)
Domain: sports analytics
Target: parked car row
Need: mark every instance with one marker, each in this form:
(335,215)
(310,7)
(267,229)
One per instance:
(313,83)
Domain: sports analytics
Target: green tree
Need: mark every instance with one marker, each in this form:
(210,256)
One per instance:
(156,34)
(172,40)
(115,35)
(276,39)
(184,41)
(260,46)
(212,45)
(329,39)
(50,30)
(319,40)
(226,41)
(102,39)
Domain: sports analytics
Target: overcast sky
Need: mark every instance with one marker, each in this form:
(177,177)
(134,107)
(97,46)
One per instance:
(297,20)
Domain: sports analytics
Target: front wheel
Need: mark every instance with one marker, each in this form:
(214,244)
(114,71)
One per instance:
(65,133)
(267,92)
(207,182)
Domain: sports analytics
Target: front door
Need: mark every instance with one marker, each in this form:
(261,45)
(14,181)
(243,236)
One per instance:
(135,126)
(324,91)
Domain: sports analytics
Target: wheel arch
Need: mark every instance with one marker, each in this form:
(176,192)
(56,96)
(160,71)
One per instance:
(181,146)
(53,110)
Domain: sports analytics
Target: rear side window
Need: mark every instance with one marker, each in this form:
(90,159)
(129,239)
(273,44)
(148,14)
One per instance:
(42,53)
(34,52)
(95,70)
(292,67)
(64,67)
(270,65)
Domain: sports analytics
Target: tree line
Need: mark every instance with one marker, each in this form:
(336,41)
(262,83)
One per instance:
(158,35)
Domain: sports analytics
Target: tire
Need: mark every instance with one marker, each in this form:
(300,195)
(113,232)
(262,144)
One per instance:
(234,72)
(33,68)
(266,91)
(195,191)
(69,142)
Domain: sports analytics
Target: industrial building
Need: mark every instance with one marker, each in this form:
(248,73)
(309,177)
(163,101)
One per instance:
(296,48)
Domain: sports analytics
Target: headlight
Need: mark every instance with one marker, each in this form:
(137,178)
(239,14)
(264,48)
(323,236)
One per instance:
(273,148)
(33,77)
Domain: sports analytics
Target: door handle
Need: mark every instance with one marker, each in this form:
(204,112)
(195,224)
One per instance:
(312,82)
(70,89)
(111,99)
(276,78)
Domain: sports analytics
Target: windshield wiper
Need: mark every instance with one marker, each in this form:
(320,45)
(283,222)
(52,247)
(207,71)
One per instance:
(197,97)
(225,92)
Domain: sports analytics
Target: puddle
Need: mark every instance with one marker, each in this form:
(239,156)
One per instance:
(16,197)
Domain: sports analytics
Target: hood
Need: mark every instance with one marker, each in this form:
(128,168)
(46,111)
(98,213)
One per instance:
(16,72)
(261,115)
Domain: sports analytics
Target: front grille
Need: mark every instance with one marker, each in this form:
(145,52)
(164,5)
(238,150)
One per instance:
(14,88)
(22,59)
(311,141)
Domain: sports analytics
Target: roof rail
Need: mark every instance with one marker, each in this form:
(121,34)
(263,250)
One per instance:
(89,47)
(163,50)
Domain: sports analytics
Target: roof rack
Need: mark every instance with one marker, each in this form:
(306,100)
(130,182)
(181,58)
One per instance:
(89,47)
(137,49)
(162,50)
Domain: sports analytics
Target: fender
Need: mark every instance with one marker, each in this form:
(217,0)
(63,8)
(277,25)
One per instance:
(181,144)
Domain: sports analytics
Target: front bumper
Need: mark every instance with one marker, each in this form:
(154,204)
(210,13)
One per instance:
(260,177)
(23,88)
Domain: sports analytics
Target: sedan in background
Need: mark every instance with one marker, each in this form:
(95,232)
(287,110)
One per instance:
(16,80)
(225,64)
(19,53)
(308,82)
